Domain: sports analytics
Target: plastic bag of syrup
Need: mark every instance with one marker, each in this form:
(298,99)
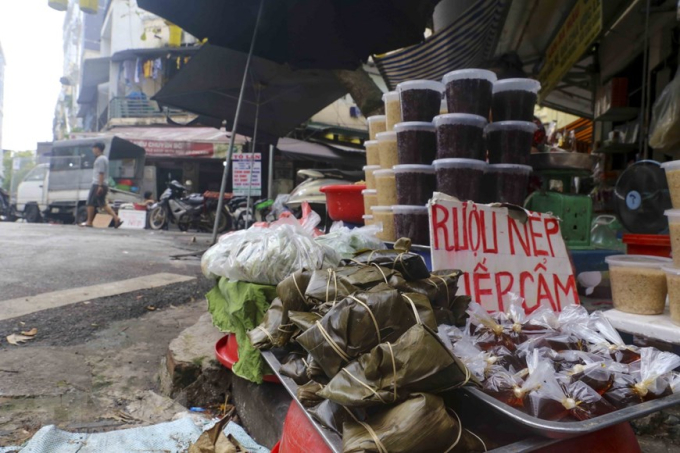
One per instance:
(552,401)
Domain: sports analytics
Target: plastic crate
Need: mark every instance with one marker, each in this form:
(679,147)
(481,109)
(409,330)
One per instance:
(575,211)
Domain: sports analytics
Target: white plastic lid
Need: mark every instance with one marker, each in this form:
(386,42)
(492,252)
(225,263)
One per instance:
(646,261)
(367,217)
(421,85)
(413,168)
(672,270)
(517,85)
(409,209)
(466,119)
(460,163)
(371,167)
(374,118)
(414,126)
(386,173)
(470,74)
(526,126)
(510,168)
(388,136)
(390,96)
(672,165)
(368,143)
(673,215)
(369,192)
(381,209)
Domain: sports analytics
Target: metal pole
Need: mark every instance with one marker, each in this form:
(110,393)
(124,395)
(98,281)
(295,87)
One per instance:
(642,139)
(270,174)
(252,159)
(230,153)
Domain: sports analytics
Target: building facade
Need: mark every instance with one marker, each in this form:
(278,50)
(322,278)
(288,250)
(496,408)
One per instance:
(2,87)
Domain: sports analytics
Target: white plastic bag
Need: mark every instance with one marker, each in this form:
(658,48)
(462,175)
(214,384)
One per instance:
(664,130)
(267,255)
(348,241)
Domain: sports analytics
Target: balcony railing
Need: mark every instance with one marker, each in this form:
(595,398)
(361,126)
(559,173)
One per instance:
(139,108)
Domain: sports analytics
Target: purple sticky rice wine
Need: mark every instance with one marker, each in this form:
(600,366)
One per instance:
(460,135)
(469,91)
(510,183)
(509,142)
(460,178)
(420,99)
(416,142)
(514,99)
(415,184)
(412,222)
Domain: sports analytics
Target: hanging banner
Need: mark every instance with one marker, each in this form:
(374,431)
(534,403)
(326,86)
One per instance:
(171,149)
(240,174)
(501,254)
(580,29)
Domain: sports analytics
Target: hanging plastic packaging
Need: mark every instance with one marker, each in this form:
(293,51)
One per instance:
(552,401)
(650,382)
(59,5)
(665,125)
(89,6)
(175,39)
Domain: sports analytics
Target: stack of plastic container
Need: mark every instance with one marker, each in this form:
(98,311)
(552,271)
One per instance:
(508,140)
(673,272)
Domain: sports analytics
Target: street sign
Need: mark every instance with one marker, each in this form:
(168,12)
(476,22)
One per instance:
(502,254)
(241,165)
(580,29)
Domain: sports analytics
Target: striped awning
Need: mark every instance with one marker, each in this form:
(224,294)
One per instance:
(465,43)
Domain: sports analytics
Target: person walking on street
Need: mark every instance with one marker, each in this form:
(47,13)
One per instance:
(99,189)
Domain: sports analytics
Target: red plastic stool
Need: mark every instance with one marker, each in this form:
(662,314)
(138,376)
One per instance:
(299,435)
(615,439)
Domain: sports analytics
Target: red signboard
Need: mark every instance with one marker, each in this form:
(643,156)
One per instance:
(175,149)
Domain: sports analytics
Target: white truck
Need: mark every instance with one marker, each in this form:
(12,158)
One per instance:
(58,190)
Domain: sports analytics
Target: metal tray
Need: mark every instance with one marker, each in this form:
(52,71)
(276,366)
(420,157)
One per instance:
(331,438)
(562,161)
(565,430)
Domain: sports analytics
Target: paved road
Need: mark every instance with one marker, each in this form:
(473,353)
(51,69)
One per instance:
(41,258)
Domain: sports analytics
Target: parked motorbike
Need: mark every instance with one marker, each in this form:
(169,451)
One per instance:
(6,209)
(260,211)
(188,211)
(308,190)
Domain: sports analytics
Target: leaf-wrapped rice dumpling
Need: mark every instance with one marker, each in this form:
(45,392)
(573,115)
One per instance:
(411,265)
(275,329)
(416,362)
(294,366)
(420,424)
(355,325)
(307,394)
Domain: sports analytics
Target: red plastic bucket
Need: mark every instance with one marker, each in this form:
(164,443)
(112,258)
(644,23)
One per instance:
(648,244)
(345,202)
(299,435)
(226,351)
(276,448)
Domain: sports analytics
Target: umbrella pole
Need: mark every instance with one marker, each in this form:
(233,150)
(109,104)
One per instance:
(252,160)
(270,174)
(230,153)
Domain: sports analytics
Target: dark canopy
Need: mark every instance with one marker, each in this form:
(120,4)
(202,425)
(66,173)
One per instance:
(327,34)
(209,85)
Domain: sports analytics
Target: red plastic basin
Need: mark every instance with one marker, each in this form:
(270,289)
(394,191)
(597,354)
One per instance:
(299,435)
(226,351)
(648,244)
(345,202)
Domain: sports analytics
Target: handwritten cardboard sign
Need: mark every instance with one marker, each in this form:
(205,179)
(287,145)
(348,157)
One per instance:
(501,254)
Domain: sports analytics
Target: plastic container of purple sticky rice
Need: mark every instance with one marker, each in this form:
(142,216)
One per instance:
(469,91)
(420,99)
(509,142)
(460,135)
(415,183)
(510,183)
(412,222)
(416,142)
(514,99)
(460,178)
